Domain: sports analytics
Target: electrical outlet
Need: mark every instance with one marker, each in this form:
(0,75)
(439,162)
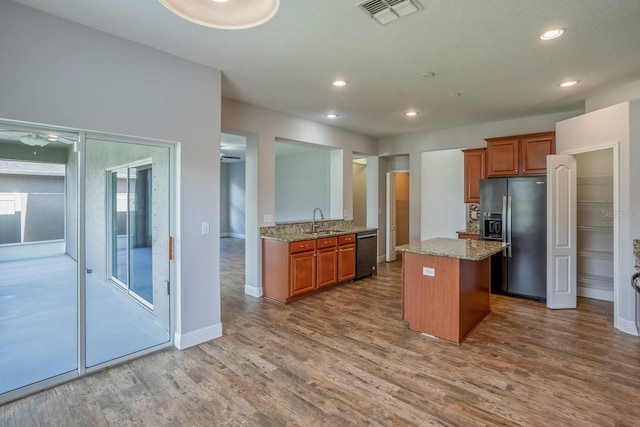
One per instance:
(428,271)
(205,227)
(268,219)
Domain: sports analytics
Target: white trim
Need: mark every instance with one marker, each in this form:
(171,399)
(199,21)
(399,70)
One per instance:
(600,294)
(182,341)
(237,235)
(382,258)
(253,291)
(626,326)
(225,235)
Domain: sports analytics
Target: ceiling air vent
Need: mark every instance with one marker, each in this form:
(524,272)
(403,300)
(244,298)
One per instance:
(385,11)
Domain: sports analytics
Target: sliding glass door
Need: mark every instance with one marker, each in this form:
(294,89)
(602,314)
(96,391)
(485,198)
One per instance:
(131,196)
(84,254)
(127,251)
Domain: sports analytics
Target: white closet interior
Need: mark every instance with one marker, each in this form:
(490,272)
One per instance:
(595,224)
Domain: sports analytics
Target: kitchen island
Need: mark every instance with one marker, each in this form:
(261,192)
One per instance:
(446,285)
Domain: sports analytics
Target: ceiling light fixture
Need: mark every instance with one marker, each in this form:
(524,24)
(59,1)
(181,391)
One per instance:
(339,83)
(552,34)
(428,75)
(569,83)
(411,113)
(331,115)
(223,14)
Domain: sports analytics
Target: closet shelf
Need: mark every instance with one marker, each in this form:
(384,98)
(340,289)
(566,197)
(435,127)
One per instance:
(594,228)
(595,279)
(594,203)
(608,255)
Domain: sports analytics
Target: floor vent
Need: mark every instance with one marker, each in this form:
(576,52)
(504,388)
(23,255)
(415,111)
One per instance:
(385,11)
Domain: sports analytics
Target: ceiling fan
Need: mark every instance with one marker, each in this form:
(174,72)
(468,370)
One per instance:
(34,139)
(228,157)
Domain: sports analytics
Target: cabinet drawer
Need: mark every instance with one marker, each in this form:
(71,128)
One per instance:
(327,242)
(346,239)
(302,246)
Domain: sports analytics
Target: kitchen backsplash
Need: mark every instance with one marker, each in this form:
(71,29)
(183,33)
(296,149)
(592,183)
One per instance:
(473,217)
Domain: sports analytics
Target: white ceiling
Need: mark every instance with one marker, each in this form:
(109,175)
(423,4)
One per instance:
(487,50)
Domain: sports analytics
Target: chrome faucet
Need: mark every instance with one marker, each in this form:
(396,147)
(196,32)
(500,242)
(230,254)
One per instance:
(313,224)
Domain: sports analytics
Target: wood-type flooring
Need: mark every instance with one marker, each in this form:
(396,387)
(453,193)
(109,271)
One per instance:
(344,357)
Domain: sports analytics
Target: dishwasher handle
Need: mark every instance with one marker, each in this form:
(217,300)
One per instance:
(367,236)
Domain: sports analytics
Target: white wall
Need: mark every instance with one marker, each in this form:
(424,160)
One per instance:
(262,127)
(615,124)
(463,137)
(628,92)
(61,73)
(442,199)
(237,198)
(360,194)
(303,183)
(225,228)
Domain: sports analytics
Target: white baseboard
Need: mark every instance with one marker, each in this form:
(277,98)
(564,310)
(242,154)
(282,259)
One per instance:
(253,291)
(225,234)
(595,294)
(237,235)
(382,258)
(627,326)
(182,341)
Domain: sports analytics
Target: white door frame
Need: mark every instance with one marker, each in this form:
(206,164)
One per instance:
(615,145)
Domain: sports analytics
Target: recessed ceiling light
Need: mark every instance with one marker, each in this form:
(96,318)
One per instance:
(339,83)
(552,34)
(569,83)
(220,1)
(331,116)
(428,75)
(411,113)
(233,16)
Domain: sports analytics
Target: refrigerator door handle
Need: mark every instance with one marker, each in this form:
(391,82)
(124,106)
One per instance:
(503,236)
(509,224)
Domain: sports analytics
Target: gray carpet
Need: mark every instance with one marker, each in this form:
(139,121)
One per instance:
(38,321)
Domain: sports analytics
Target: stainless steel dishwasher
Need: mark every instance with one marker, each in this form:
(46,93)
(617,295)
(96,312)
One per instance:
(366,253)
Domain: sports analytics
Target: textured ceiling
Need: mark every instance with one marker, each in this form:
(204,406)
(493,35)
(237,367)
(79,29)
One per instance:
(486,50)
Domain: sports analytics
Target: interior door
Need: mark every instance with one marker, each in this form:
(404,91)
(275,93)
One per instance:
(561,232)
(391,217)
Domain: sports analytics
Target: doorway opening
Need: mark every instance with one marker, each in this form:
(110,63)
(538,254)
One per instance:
(397,212)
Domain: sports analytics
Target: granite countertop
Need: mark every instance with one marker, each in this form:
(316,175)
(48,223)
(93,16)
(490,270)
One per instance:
(298,235)
(474,250)
(636,246)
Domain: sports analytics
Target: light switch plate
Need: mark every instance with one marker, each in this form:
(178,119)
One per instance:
(428,271)
(268,219)
(205,227)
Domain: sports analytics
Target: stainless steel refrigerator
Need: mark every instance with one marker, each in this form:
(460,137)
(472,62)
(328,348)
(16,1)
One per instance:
(514,210)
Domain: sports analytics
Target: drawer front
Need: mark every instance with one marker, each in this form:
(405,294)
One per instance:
(302,246)
(346,239)
(326,242)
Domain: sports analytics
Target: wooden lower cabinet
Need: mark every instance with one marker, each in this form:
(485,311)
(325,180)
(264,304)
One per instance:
(291,270)
(346,257)
(303,272)
(327,262)
(346,262)
(468,236)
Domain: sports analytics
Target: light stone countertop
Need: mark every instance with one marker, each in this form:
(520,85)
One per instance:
(299,235)
(473,250)
(636,246)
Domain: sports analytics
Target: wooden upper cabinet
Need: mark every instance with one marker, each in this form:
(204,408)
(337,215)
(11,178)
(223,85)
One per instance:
(535,150)
(502,156)
(474,171)
(519,154)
